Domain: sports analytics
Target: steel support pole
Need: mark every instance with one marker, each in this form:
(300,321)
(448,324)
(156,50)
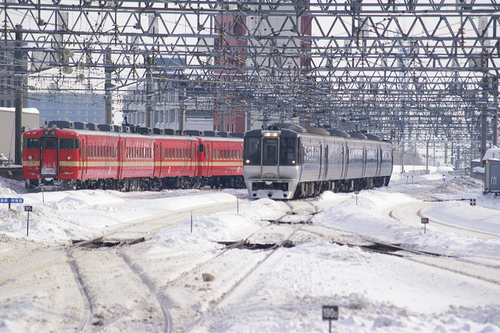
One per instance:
(495,112)
(484,116)
(427,157)
(149,92)
(108,86)
(18,92)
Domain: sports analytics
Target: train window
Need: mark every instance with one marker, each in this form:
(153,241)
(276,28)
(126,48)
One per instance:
(66,144)
(252,151)
(31,143)
(49,143)
(288,151)
(269,151)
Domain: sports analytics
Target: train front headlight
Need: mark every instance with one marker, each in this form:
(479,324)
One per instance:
(247,161)
(293,161)
(30,157)
(69,157)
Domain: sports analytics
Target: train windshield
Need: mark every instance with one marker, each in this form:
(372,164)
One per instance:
(252,151)
(31,143)
(288,151)
(270,151)
(49,143)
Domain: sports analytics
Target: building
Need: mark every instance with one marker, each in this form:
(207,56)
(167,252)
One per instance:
(231,109)
(7,127)
(7,69)
(83,107)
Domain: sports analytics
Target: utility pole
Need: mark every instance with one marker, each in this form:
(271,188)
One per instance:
(427,157)
(495,110)
(149,91)
(484,116)
(18,92)
(108,69)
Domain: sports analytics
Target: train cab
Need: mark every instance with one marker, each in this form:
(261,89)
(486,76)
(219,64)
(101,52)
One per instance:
(51,158)
(271,163)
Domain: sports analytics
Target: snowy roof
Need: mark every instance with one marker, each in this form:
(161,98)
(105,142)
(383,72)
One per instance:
(492,154)
(25,110)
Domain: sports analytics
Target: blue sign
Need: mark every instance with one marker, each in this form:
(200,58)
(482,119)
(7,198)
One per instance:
(11,200)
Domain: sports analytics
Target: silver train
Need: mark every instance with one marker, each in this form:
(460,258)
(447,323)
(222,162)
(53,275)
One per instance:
(287,161)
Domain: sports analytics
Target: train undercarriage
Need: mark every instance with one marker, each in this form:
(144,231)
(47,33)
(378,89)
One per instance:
(312,189)
(135,184)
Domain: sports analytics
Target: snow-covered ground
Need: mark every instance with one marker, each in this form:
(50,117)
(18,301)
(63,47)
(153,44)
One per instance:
(374,292)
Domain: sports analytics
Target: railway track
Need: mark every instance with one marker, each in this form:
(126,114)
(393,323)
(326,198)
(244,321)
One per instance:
(81,261)
(466,267)
(292,222)
(187,291)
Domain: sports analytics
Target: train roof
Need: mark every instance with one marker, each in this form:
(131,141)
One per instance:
(296,130)
(105,128)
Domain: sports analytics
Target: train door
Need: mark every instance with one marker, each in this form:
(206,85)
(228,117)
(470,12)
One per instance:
(269,156)
(345,161)
(210,157)
(83,157)
(121,158)
(325,168)
(321,165)
(157,160)
(365,160)
(379,161)
(49,156)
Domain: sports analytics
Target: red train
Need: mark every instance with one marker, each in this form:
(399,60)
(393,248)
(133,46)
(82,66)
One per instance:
(66,155)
